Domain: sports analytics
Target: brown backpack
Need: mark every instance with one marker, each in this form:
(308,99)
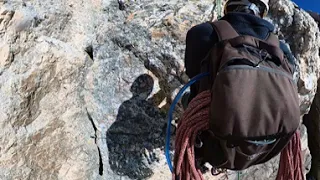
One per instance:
(254,108)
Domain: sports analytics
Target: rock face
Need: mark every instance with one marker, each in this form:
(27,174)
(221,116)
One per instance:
(302,34)
(85,86)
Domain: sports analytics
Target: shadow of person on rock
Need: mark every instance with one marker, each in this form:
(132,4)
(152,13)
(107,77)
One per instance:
(137,131)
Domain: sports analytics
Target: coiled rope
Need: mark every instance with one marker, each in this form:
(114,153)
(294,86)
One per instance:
(196,119)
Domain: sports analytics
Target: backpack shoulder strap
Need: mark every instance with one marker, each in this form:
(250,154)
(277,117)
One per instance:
(224,30)
(273,40)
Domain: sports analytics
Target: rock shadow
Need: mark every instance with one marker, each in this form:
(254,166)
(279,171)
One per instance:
(137,131)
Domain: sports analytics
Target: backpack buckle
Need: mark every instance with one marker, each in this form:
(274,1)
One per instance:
(216,172)
(263,142)
(263,56)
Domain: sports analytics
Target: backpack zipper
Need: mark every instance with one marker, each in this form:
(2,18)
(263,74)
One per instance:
(258,68)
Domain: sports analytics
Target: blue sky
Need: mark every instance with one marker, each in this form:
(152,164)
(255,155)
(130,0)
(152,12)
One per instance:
(313,5)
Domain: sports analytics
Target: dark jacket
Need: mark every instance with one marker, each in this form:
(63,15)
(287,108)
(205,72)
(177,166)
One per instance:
(201,38)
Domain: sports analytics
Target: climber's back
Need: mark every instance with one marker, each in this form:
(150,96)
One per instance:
(201,38)
(246,111)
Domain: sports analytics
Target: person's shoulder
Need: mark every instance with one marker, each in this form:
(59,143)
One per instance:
(201,29)
(287,51)
(284,46)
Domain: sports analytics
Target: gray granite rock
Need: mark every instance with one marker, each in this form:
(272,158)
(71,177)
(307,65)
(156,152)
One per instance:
(85,85)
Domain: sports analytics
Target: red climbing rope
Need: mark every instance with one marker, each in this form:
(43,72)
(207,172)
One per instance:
(196,119)
(290,167)
(193,121)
